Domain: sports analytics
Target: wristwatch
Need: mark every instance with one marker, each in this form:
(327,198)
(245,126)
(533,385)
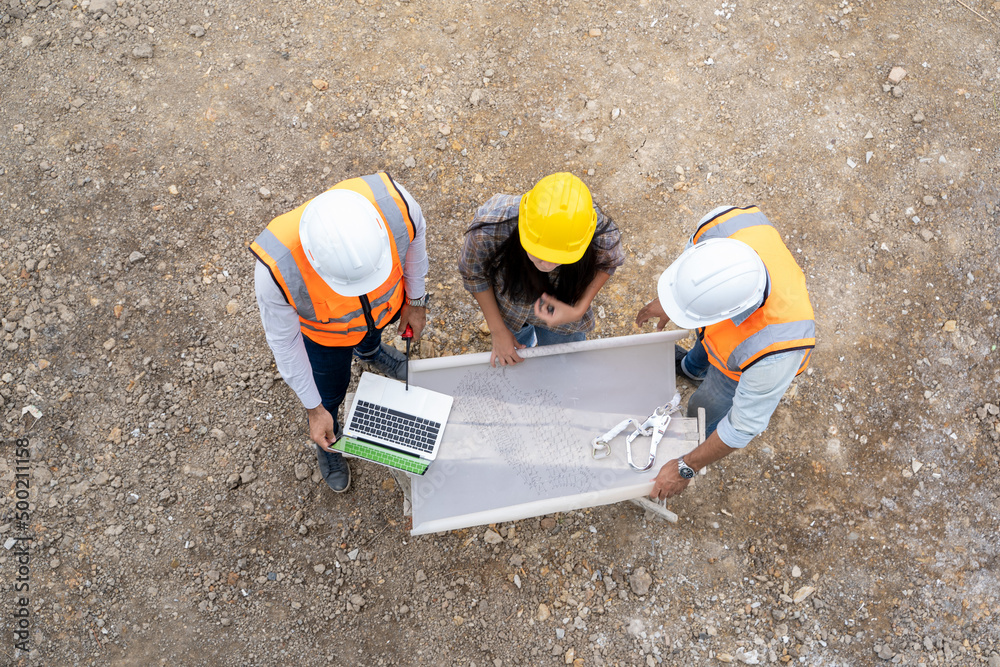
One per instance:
(686,471)
(418,303)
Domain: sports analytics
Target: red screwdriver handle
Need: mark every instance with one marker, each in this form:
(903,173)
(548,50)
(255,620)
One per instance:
(408,332)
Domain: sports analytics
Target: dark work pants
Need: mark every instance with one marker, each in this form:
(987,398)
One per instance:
(331,369)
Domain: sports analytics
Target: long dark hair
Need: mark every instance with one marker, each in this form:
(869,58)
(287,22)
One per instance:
(522,282)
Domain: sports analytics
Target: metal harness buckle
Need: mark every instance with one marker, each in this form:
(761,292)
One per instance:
(654,426)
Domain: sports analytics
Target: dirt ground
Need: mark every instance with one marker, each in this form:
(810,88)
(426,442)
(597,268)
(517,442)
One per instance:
(175,515)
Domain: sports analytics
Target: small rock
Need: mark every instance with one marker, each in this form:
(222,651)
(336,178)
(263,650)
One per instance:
(226,621)
(302,471)
(594,32)
(918,117)
(548,523)
(143,51)
(640,581)
(353,554)
(173,190)
(994,661)
(136,257)
(196,31)
(543,612)
(570,656)
(796,572)
(107,6)
(420,576)
(885,652)
(803,593)
(409,162)
(927,235)
(320,84)
(219,434)
(929,201)
(233,480)
(476,97)
(264,193)
(950,325)
(319,568)
(724,657)
(492,537)
(232,307)
(444,129)
(477,179)
(897,92)
(896,74)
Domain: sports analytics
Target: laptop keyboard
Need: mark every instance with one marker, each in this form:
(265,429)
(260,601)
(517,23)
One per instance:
(394,426)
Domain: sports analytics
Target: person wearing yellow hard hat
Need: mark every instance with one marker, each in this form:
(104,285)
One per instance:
(534,264)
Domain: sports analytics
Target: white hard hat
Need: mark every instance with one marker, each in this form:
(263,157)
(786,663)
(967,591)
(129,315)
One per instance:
(712,281)
(346,241)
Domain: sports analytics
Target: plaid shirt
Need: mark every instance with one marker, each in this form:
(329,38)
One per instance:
(500,215)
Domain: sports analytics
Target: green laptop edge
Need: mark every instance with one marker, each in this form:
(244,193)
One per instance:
(383,455)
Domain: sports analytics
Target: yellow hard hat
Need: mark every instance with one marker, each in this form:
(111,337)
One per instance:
(556,219)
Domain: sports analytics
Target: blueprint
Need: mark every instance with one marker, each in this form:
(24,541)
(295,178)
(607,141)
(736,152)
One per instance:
(518,440)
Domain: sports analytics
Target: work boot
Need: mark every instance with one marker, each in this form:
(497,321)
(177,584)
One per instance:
(388,361)
(335,469)
(679,372)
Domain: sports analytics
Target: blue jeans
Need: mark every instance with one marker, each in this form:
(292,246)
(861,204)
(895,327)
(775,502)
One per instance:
(530,336)
(331,369)
(716,391)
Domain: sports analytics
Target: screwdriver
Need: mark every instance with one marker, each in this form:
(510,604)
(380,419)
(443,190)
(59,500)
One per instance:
(408,336)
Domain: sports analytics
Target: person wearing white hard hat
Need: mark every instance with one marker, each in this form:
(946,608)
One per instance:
(738,286)
(331,275)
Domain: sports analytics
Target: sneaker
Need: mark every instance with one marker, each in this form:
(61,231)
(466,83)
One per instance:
(388,361)
(679,372)
(335,469)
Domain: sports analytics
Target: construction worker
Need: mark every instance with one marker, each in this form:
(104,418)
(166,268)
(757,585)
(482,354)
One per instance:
(332,275)
(534,264)
(740,288)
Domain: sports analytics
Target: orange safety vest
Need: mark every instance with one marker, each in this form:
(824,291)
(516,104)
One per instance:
(326,317)
(783,322)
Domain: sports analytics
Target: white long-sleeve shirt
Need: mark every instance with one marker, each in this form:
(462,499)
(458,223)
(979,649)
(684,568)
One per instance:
(281,322)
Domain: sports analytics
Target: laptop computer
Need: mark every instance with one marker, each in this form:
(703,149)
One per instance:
(395,426)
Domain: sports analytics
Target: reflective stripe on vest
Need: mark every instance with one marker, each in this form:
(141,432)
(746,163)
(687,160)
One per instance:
(296,285)
(391,213)
(784,322)
(729,222)
(322,312)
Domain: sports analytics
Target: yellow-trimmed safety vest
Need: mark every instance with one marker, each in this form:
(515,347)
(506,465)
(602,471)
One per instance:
(326,317)
(784,322)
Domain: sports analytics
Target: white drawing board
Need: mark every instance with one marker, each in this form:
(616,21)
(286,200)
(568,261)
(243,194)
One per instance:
(518,440)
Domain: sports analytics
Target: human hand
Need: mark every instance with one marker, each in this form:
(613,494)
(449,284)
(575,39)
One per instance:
(651,310)
(668,482)
(505,348)
(321,427)
(415,316)
(554,312)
